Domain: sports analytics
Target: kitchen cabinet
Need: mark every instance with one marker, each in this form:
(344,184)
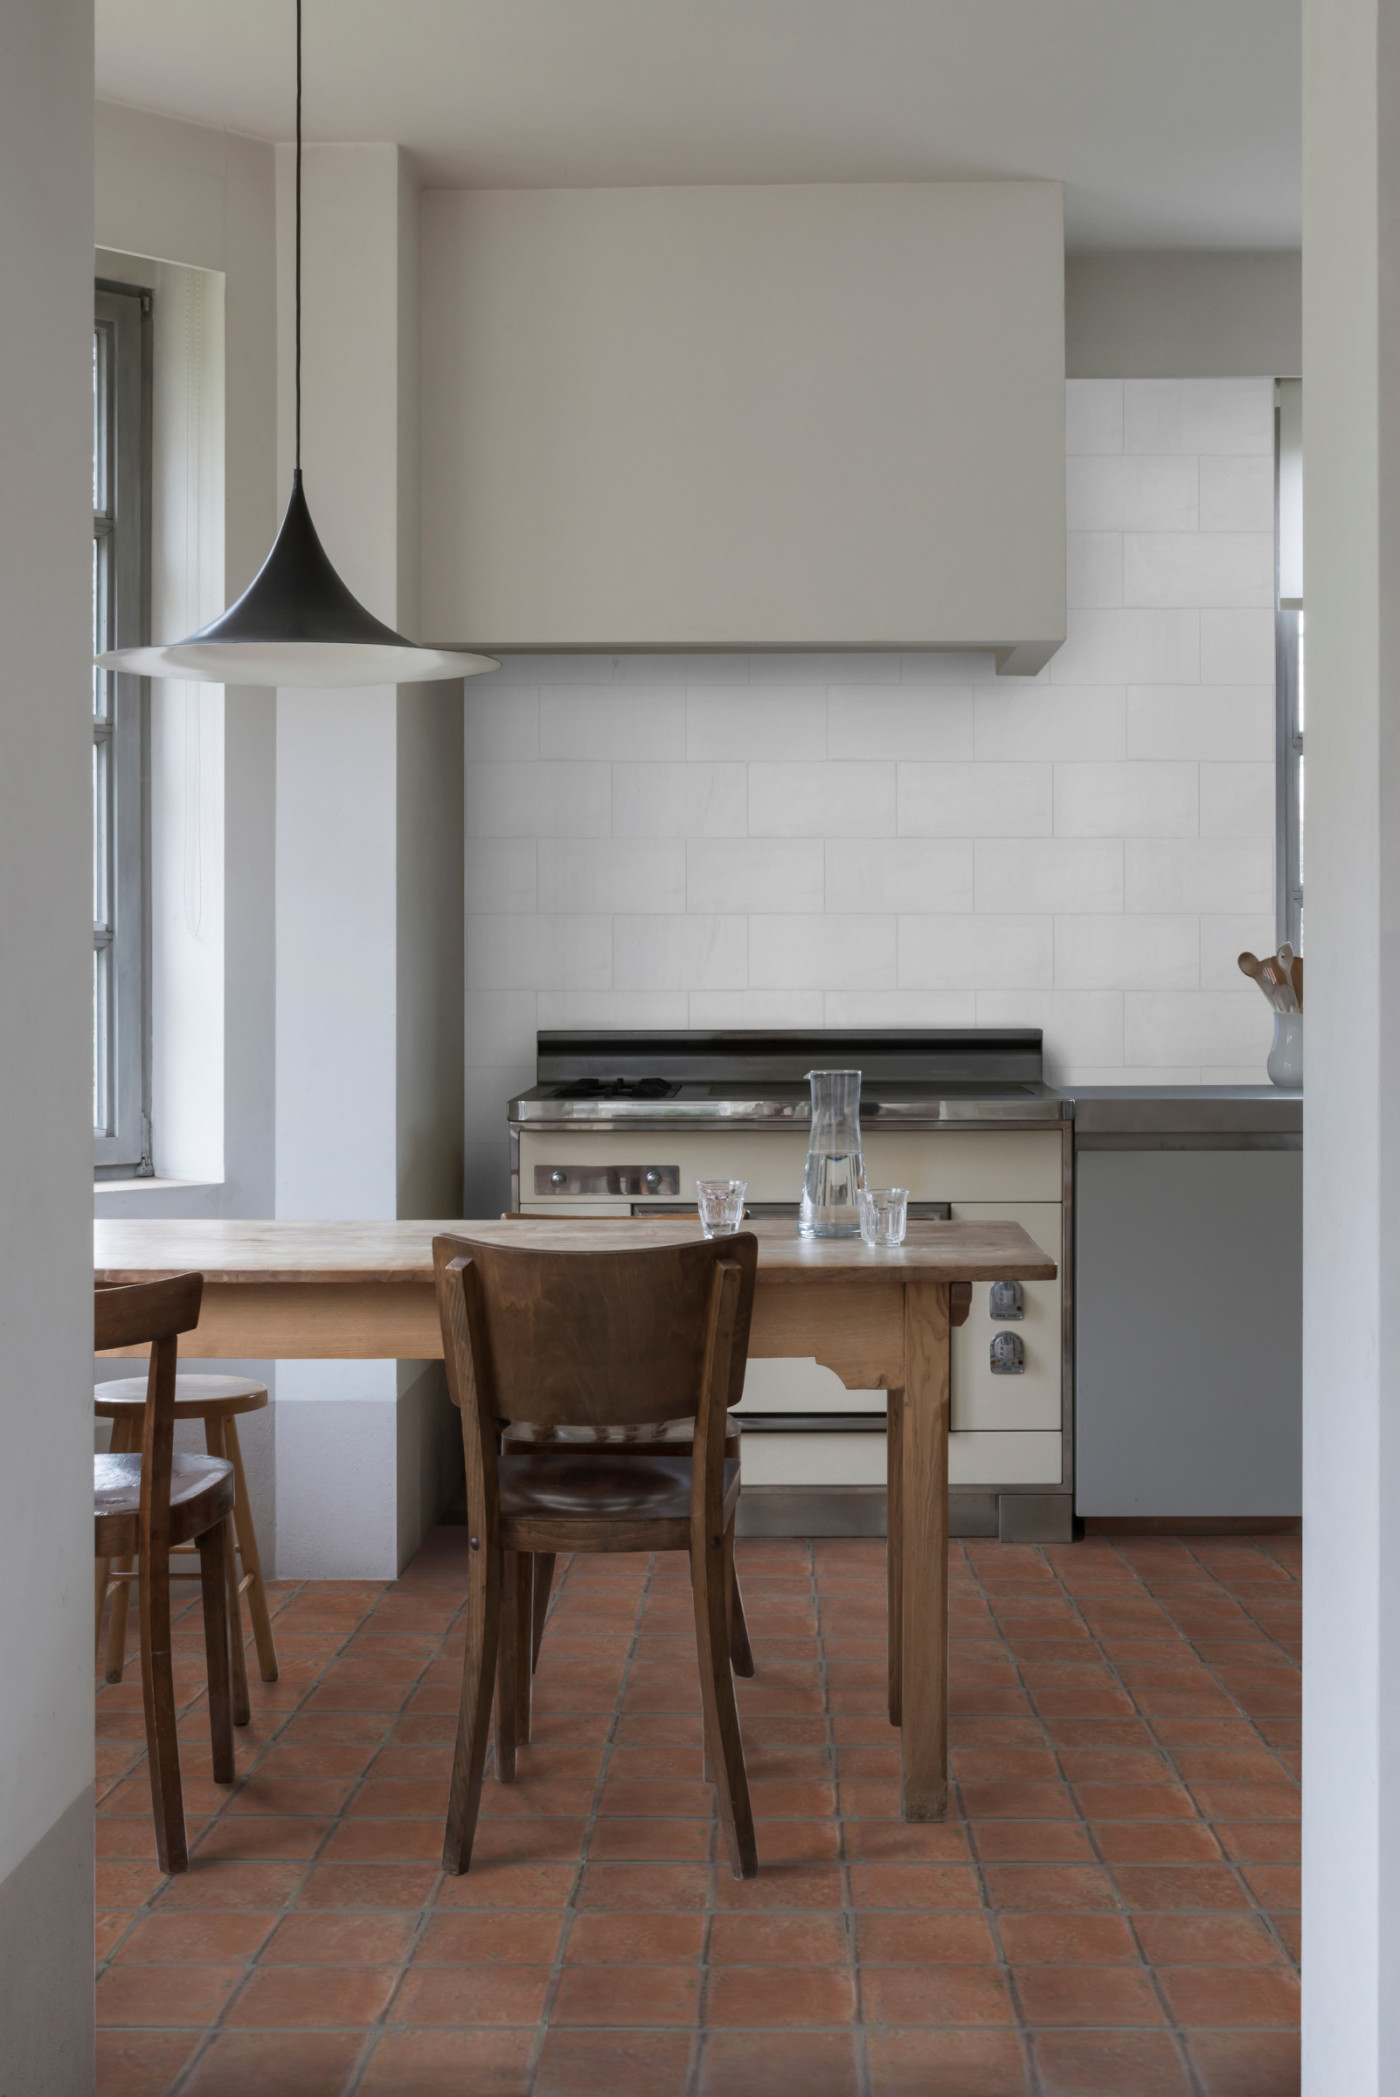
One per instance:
(1188,1346)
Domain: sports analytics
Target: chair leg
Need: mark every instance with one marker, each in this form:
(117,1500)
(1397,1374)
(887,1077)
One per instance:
(724,1747)
(510,1660)
(544,1580)
(216,1445)
(524,1646)
(215,1550)
(249,1556)
(740,1651)
(158,1697)
(483,1624)
(126,1436)
(104,1574)
(894,1551)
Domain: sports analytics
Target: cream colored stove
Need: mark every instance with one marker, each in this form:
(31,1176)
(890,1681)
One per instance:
(624,1124)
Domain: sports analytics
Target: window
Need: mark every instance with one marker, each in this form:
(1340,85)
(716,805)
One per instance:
(1288,659)
(121,452)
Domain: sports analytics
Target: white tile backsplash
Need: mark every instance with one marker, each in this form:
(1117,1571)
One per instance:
(803,839)
(729,873)
(1198,873)
(1198,415)
(629,721)
(975,952)
(1237,800)
(1051,724)
(841,798)
(899,873)
(1237,493)
(1237,647)
(1093,415)
(1093,569)
(743,724)
(1131,646)
(612,873)
(932,721)
(681,953)
(822,953)
(1048,873)
(1161,495)
(680,800)
(1127,800)
(997,800)
(1198,568)
(1233,722)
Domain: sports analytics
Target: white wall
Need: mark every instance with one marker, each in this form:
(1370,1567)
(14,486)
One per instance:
(192,211)
(898,840)
(46,1758)
(819,416)
(1351,1316)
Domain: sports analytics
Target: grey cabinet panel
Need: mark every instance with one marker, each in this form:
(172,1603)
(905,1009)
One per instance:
(1188,1381)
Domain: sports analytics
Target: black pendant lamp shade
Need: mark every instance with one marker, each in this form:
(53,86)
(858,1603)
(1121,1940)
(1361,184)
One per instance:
(297,623)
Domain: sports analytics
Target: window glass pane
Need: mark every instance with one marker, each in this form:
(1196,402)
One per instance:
(101,834)
(99,417)
(101,1040)
(101,622)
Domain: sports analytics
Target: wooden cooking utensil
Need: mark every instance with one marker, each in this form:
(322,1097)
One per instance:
(1279,983)
(1296,977)
(1252,966)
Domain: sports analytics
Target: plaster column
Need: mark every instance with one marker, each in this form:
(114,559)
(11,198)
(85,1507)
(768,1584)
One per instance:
(369,939)
(1351,367)
(46,1757)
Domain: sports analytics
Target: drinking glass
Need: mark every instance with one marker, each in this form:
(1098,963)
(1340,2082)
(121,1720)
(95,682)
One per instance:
(884,1215)
(721,1205)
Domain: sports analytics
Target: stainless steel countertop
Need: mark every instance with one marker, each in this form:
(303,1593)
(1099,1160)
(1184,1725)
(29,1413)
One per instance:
(1223,1114)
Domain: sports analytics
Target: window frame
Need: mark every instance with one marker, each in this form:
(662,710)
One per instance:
(1290,666)
(122,363)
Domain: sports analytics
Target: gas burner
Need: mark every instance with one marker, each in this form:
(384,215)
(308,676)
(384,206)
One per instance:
(616,1088)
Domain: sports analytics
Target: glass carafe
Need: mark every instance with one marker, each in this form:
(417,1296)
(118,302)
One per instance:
(835,1170)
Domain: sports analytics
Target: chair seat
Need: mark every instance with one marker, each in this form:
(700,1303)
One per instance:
(201,1494)
(584,1490)
(195,1396)
(658,1437)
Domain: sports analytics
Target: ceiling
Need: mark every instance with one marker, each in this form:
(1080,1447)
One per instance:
(1172,123)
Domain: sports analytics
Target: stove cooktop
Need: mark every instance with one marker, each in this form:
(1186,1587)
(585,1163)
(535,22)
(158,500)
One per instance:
(604,1080)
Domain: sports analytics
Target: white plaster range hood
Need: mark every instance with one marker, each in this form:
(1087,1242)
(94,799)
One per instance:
(819,416)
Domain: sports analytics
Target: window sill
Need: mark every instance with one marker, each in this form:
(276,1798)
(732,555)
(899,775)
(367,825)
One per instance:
(148,1186)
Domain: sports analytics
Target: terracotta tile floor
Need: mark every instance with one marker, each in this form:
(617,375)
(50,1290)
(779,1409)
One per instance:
(1111,1908)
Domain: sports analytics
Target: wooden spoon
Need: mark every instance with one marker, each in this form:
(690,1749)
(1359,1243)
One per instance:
(1252,966)
(1296,977)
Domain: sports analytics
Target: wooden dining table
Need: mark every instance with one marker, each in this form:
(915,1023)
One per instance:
(879,1318)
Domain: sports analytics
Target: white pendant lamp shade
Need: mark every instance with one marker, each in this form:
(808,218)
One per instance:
(297,623)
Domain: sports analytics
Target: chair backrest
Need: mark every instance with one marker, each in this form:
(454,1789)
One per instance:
(127,1315)
(613,1337)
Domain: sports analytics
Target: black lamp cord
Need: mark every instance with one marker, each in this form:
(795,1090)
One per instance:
(298,252)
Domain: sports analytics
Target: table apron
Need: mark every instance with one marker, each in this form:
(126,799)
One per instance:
(855,1329)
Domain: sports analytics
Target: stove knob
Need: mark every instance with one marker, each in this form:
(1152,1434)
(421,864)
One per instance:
(653,1180)
(558,1178)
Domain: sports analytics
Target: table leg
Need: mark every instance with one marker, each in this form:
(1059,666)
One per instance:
(924,1550)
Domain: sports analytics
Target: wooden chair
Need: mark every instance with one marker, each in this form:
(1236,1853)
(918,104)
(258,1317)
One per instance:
(145,1503)
(606,1337)
(653,1438)
(217,1401)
